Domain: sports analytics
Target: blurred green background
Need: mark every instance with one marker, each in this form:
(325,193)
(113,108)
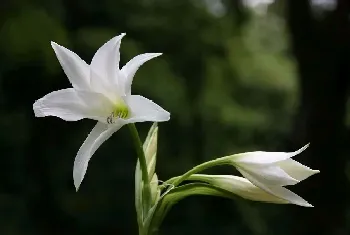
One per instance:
(235,75)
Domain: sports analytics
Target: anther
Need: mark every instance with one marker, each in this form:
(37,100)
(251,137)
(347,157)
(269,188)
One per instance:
(110,118)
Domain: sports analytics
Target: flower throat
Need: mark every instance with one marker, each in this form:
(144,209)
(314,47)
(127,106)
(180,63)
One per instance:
(120,111)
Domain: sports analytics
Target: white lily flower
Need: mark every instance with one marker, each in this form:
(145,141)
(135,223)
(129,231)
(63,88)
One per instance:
(101,91)
(271,171)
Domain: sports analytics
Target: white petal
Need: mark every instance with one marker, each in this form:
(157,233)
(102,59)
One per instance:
(99,105)
(99,134)
(296,170)
(143,109)
(240,186)
(278,191)
(289,196)
(268,174)
(75,68)
(105,62)
(72,105)
(260,157)
(100,86)
(131,68)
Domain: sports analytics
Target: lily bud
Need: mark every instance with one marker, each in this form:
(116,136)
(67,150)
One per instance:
(239,186)
(270,171)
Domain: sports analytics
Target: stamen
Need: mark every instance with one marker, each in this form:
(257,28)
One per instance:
(110,119)
(121,112)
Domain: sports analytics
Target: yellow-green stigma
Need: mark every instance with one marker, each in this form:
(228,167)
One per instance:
(120,111)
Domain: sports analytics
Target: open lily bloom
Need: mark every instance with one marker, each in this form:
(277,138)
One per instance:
(271,171)
(101,91)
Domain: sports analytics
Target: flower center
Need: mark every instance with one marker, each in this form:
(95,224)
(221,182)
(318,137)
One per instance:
(121,110)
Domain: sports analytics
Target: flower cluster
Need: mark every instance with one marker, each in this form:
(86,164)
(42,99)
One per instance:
(102,91)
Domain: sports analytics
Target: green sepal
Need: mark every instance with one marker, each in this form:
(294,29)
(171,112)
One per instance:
(150,149)
(155,191)
(138,195)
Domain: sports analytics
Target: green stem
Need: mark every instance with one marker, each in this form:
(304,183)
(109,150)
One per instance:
(175,181)
(143,165)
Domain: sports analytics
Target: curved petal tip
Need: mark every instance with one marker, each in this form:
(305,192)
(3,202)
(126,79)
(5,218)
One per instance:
(99,134)
(37,109)
(79,171)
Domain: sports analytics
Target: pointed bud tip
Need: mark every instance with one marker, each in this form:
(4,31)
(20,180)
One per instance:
(308,205)
(56,46)
(304,204)
(305,147)
(155,126)
(120,37)
(300,150)
(155,54)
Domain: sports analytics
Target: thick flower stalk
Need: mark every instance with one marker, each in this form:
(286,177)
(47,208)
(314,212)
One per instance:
(271,171)
(102,92)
